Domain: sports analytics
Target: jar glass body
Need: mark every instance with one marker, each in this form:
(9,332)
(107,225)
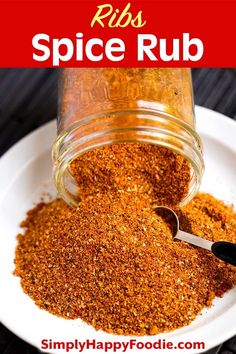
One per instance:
(104,106)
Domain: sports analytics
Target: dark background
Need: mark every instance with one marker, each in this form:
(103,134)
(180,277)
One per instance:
(28,99)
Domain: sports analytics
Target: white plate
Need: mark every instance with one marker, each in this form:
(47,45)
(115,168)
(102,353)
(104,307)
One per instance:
(26,173)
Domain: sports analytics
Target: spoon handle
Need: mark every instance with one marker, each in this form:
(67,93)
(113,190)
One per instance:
(194,240)
(225,251)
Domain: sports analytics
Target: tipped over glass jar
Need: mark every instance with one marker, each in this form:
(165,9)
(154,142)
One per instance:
(127,129)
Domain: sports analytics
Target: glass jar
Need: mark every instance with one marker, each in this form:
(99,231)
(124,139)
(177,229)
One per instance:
(103,106)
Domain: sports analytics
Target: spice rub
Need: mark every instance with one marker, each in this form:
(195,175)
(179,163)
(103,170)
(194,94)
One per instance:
(113,262)
(151,170)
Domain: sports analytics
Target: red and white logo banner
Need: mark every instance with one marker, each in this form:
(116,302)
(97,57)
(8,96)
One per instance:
(118,33)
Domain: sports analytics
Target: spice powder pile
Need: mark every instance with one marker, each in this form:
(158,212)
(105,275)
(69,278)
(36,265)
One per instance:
(113,262)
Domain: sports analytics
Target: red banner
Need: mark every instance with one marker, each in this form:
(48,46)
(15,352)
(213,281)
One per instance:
(118,33)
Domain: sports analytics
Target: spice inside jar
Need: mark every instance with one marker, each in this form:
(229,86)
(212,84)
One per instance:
(156,172)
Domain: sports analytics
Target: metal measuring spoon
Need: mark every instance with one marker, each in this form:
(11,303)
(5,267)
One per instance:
(226,251)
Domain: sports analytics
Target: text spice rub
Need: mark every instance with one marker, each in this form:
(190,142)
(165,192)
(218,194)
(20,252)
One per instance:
(113,262)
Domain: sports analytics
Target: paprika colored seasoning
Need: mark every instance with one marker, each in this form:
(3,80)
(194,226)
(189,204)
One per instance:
(126,139)
(113,262)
